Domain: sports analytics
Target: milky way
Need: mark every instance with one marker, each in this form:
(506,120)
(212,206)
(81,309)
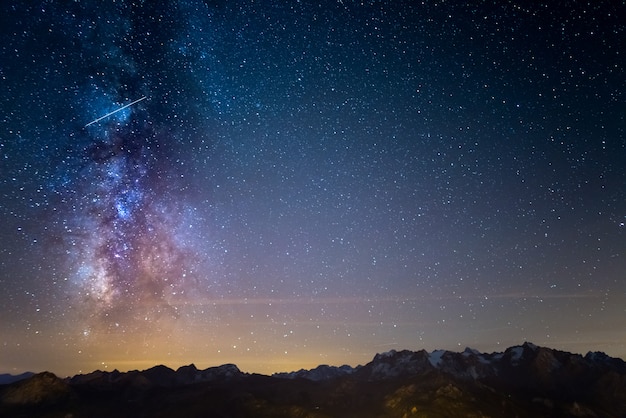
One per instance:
(284,184)
(126,250)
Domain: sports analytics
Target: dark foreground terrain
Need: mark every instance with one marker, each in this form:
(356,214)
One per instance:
(523,381)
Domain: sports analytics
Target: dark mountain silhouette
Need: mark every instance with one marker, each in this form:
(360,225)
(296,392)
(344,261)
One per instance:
(523,381)
(5,379)
(322,372)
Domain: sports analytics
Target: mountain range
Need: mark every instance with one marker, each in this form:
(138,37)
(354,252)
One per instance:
(522,381)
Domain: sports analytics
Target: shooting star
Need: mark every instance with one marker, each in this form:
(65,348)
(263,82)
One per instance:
(115,111)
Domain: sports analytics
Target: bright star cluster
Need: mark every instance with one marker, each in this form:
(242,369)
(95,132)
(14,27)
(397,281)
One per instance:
(284,184)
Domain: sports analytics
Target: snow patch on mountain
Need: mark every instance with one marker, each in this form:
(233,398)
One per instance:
(516,354)
(435,357)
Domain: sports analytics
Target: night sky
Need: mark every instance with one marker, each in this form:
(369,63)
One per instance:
(298,183)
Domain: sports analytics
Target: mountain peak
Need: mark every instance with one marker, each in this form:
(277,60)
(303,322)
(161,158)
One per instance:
(471,351)
(321,372)
(530,346)
(40,389)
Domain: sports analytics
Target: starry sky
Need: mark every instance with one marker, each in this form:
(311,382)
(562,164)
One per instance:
(282,184)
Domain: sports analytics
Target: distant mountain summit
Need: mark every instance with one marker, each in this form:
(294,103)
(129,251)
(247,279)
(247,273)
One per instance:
(6,378)
(157,376)
(522,381)
(322,372)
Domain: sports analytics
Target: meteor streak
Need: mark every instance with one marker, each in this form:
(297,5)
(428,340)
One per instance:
(115,111)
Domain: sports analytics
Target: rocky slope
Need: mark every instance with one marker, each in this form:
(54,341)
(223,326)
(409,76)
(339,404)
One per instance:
(523,381)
